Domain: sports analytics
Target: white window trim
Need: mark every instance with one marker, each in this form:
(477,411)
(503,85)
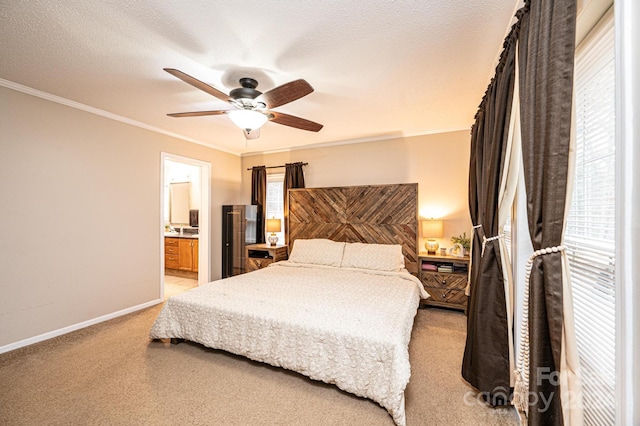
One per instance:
(627,15)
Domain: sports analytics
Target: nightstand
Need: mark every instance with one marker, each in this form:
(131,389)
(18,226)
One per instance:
(259,256)
(445,279)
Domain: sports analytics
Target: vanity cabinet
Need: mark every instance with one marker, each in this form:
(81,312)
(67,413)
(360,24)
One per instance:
(188,254)
(181,253)
(171,253)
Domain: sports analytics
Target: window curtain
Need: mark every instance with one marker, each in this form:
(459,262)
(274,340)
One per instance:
(293,178)
(475,178)
(546,58)
(489,341)
(259,197)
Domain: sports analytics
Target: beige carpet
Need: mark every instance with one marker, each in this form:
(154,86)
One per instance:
(111,374)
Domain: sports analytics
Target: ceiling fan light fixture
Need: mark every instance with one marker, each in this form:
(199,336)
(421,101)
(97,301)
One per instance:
(252,108)
(247,119)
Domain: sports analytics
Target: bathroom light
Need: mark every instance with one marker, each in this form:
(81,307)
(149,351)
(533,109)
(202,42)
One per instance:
(247,119)
(432,229)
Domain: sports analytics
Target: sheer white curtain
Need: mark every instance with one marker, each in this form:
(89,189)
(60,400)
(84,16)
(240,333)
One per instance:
(507,192)
(570,380)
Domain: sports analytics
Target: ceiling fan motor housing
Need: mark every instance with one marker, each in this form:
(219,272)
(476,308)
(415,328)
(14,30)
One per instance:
(247,91)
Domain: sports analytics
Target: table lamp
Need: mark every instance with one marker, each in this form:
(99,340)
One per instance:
(432,229)
(273,226)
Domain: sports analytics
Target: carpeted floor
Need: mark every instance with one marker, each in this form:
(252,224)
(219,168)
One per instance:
(112,374)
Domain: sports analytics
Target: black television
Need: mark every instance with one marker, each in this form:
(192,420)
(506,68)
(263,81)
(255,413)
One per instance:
(193,218)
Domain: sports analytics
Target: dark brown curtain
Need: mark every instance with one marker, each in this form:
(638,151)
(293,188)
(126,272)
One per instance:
(486,358)
(259,197)
(293,178)
(475,180)
(546,58)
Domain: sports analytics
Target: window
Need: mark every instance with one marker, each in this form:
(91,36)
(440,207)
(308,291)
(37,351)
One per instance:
(590,233)
(275,200)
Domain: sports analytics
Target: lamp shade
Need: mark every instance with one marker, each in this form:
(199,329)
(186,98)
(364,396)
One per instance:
(247,119)
(432,228)
(273,225)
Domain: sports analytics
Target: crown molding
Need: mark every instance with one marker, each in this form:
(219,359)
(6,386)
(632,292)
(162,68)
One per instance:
(92,110)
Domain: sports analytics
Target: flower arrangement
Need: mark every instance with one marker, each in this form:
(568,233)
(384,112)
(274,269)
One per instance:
(462,240)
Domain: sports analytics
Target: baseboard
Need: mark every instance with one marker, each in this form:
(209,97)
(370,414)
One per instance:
(69,329)
(181,274)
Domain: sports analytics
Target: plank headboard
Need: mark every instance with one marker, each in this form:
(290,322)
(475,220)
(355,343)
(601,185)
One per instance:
(382,214)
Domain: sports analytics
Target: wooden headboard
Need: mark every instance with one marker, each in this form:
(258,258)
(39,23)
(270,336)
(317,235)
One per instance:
(382,214)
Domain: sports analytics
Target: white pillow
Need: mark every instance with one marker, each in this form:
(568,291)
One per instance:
(317,252)
(379,257)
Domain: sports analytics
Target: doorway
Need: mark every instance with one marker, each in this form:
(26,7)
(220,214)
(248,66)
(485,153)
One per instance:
(188,232)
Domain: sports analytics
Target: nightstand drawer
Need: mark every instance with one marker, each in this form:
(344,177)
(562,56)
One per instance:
(444,281)
(254,264)
(448,296)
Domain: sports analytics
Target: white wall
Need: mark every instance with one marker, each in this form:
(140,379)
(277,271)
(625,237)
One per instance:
(80,214)
(438,163)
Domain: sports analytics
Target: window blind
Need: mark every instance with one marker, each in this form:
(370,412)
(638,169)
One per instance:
(590,232)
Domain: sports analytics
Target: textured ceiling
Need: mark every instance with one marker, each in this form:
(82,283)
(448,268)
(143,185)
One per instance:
(379,68)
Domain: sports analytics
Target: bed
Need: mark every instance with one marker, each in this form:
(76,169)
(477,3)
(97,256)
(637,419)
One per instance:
(338,312)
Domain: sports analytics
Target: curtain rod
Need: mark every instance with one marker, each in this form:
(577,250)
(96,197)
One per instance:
(277,167)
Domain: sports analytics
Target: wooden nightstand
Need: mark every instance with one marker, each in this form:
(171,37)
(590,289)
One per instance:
(444,279)
(258,256)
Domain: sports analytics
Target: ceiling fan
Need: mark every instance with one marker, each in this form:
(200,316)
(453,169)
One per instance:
(252,108)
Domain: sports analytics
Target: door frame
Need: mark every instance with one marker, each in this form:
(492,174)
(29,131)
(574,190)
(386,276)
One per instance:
(204,224)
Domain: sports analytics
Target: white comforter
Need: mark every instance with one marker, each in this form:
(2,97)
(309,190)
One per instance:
(348,327)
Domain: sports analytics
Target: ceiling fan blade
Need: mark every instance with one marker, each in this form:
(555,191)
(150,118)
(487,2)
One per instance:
(286,93)
(198,84)
(292,121)
(254,134)
(197,113)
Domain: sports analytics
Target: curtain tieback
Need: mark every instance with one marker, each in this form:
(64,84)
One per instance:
(485,240)
(537,253)
(521,390)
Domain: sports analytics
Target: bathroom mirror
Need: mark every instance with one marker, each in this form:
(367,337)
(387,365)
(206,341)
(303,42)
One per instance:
(179,202)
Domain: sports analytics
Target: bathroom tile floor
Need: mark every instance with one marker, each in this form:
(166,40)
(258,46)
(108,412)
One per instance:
(175,285)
